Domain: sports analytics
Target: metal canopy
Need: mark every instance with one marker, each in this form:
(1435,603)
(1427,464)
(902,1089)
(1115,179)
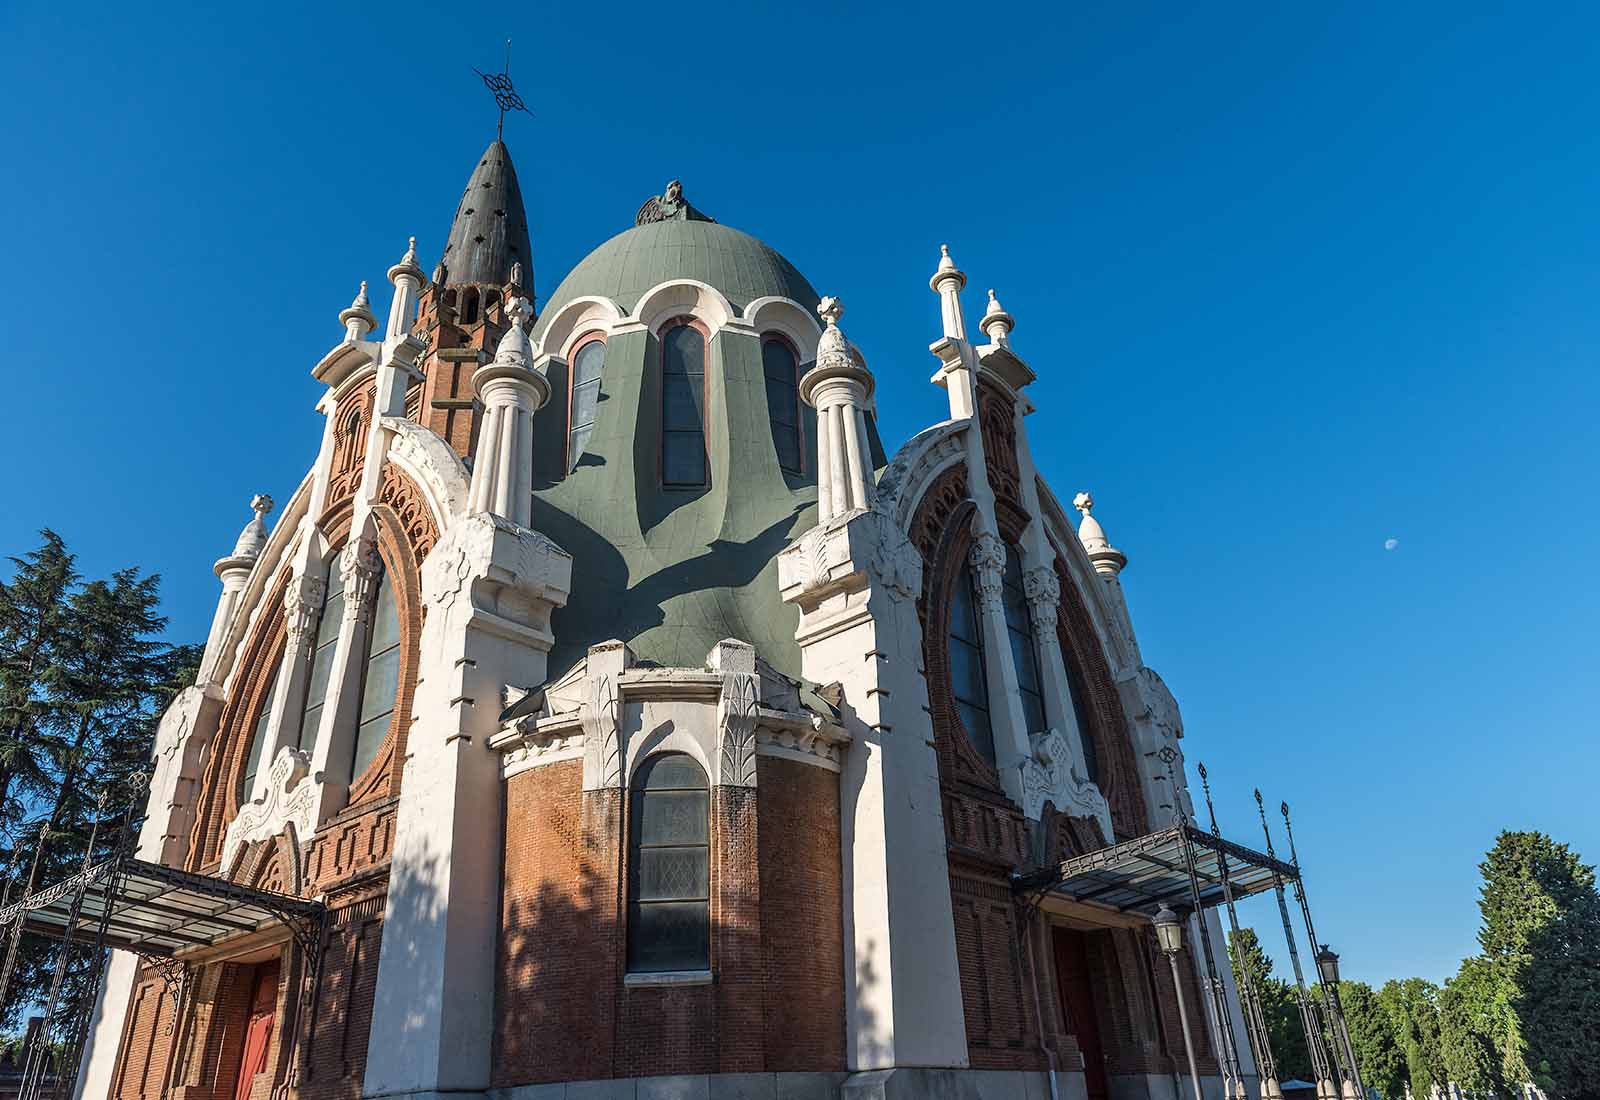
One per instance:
(1143,874)
(157,911)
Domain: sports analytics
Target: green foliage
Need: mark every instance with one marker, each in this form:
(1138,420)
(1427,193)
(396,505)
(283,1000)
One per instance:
(1375,1039)
(1279,1005)
(83,681)
(1473,1025)
(1535,998)
(1412,1005)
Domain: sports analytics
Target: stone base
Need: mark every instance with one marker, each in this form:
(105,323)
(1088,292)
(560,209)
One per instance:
(1164,1086)
(912,1083)
(901,1083)
(715,1086)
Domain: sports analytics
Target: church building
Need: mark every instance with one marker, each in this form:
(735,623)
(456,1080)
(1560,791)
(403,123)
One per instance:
(611,712)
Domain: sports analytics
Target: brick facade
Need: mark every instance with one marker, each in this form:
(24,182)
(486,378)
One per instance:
(776,999)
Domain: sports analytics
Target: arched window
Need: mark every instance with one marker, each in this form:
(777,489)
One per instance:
(469,307)
(1024,653)
(584,398)
(380,683)
(781,366)
(258,741)
(669,866)
(328,621)
(968,677)
(683,399)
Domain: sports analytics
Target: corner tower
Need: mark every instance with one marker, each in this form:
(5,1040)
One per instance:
(487,263)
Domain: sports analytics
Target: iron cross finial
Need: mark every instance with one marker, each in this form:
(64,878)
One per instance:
(505,96)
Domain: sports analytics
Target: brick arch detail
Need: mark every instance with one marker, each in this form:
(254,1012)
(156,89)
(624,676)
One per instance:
(352,423)
(218,800)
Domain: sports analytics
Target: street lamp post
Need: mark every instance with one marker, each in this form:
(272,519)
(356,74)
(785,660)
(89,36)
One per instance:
(1328,970)
(1169,936)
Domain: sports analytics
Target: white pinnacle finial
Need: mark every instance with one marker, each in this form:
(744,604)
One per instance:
(358,318)
(830,309)
(1107,559)
(411,251)
(946,270)
(261,503)
(407,264)
(997,323)
(515,349)
(519,311)
(253,539)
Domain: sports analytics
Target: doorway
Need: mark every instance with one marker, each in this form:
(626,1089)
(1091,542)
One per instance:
(258,1032)
(1073,951)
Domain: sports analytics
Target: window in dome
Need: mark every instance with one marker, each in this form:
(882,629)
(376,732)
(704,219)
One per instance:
(669,866)
(781,366)
(258,741)
(380,684)
(328,621)
(683,397)
(968,674)
(1024,652)
(584,398)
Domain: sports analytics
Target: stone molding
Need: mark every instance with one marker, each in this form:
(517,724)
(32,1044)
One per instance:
(832,570)
(1048,775)
(290,800)
(987,556)
(302,603)
(432,464)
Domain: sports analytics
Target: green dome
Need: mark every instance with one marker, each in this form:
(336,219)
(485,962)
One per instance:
(632,262)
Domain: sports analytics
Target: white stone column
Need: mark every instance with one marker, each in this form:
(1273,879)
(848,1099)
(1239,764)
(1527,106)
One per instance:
(855,580)
(839,386)
(986,557)
(511,392)
(490,587)
(233,571)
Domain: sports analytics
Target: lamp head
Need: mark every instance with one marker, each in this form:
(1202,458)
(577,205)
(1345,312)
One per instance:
(1328,966)
(1169,930)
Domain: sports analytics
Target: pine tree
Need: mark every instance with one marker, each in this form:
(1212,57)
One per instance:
(1473,1024)
(1373,1035)
(1541,943)
(1412,1005)
(34,623)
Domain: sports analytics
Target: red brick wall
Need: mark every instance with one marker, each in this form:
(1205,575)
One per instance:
(776,1002)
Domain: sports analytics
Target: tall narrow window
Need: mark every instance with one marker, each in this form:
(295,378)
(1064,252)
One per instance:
(585,398)
(328,621)
(381,682)
(967,674)
(258,741)
(1024,653)
(669,867)
(782,369)
(683,397)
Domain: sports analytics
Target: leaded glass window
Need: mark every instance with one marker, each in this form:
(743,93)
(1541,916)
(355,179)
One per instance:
(258,741)
(683,396)
(669,867)
(1024,652)
(380,684)
(328,620)
(585,398)
(968,677)
(782,370)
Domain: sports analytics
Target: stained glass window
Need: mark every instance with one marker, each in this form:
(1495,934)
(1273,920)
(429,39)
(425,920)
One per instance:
(381,683)
(585,398)
(669,867)
(1024,653)
(258,741)
(782,372)
(331,615)
(683,395)
(968,677)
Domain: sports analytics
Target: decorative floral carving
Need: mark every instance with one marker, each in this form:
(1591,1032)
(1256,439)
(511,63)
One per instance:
(401,493)
(302,601)
(1043,592)
(291,799)
(1049,775)
(988,560)
(432,462)
(895,563)
(449,578)
(736,715)
(360,566)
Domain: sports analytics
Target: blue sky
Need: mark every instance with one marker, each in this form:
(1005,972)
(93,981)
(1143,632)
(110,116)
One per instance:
(1295,281)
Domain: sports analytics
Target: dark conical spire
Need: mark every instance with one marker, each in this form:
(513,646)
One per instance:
(490,232)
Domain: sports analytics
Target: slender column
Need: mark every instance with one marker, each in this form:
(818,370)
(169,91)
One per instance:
(1183,1019)
(838,387)
(512,392)
(233,571)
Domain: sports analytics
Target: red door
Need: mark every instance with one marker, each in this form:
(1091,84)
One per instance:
(258,1035)
(1077,1003)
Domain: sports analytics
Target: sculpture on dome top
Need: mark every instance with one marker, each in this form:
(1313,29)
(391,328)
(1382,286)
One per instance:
(669,207)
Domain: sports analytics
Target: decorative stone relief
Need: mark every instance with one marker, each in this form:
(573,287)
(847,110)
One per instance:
(360,567)
(896,565)
(302,602)
(432,463)
(736,718)
(988,560)
(602,728)
(1157,725)
(290,800)
(924,457)
(1048,775)
(1042,590)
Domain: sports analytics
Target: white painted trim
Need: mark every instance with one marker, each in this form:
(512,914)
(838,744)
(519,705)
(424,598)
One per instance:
(668,978)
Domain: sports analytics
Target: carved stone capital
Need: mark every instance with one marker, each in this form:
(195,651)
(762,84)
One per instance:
(291,799)
(504,577)
(602,732)
(302,602)
(854,553)
(737,709)
(1050,774)
(1042,589)
(988,560)
(360,567)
